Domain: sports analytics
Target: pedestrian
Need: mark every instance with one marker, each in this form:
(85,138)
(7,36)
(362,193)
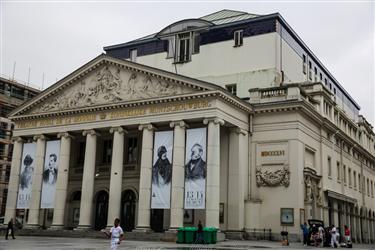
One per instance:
(347,234)
(200,233)
(334,236)
(116,234)
(11,229)
(305,232)
(321,235)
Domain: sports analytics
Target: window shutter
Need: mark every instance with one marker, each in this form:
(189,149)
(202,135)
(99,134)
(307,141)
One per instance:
(197,40)
(171,47)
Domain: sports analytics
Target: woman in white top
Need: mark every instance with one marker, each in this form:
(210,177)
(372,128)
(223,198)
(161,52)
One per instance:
(116,234)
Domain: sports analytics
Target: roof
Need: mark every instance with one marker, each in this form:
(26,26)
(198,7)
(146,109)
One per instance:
(227,16)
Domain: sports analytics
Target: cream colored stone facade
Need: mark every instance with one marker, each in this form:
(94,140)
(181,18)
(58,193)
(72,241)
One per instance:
(262,156)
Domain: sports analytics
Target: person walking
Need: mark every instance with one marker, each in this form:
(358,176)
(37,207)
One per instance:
(305,232)
(116,234)
(200,233)
(347,234)
(334,236)
(11,229)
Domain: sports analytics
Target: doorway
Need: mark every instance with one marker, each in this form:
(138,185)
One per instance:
(101,210)
(128,210)
(157,220)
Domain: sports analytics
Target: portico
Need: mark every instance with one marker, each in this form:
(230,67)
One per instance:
(105,115)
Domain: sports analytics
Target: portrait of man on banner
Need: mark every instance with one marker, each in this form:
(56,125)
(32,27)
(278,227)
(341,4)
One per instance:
(50,174)
(26,175)
(195,168)
(162,170)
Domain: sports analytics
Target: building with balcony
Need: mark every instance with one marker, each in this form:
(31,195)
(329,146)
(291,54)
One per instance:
(280,141)
(12,95)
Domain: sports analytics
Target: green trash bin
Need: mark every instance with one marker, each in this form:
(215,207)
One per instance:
(207,235)
(181,235)
(190,233)
(213,235)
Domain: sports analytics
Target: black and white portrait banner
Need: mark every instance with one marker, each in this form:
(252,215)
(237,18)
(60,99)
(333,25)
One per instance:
(195,168)
(162,170)
(50,171)
(26,175)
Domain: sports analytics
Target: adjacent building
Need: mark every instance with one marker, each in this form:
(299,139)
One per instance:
(229,119)
(12,95)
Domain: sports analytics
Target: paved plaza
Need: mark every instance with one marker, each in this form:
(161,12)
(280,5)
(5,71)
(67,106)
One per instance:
(51,243)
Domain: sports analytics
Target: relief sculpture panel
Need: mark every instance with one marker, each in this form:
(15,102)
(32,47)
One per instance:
(109,85)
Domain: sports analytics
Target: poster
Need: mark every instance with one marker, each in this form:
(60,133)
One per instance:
(195,168)
(162,170)
(50,171)
(26,175)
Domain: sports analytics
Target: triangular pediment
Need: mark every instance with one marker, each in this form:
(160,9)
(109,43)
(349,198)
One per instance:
(106,81)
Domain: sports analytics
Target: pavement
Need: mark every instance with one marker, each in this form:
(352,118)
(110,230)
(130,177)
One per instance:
(57,243)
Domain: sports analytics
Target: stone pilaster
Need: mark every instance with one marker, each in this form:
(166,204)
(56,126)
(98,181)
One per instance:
(62,181)
(115,187)
(144,204)
(88,180)
(213,172)
(178,175)
(36,189)
(14,179)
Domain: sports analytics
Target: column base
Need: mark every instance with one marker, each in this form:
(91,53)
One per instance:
(57,227)
(142,230)
(83,228)
(33,226)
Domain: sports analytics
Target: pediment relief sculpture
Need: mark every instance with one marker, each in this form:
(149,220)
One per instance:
(110,85)
(273,178)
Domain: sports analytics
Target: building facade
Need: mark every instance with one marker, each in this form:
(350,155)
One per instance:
(280,144)
(12,95)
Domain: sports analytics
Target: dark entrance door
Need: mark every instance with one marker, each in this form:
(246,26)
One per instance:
(101,210)
(128,211)
(157,217)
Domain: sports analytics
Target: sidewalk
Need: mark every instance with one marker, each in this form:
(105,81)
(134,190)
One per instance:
(57,243)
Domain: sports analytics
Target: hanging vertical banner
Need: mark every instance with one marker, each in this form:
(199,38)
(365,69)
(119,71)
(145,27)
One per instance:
(50,172)
(195,168)
(162,170)
(26,175)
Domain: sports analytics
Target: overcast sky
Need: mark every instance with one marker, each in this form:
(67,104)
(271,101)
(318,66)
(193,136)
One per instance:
(57,37)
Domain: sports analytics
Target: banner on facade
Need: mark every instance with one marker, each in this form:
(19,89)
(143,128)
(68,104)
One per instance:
(162,170)
(195,168)
(50,171)
(26,175)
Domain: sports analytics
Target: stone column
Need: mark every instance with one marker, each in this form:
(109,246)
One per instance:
(178,175)
(236,197)
(62,181)
(145,178)
(88,180)
(36,189)
(213,172)
(14,179)
(115,186)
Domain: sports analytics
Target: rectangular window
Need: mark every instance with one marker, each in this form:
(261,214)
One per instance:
(133,55)
(338,172)
(355,180)
(350,177)
(184,50)
(368,187)
(325,81)
(304,65)
(372,189)
(359,183)
(329,167)
(321,77)
(131,150)
(107,151)
(344,175)
(238,38)
(232,88)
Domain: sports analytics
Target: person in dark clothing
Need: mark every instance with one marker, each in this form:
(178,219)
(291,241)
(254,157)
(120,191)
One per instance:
(305,232)
(200,233)
(196,168)
(162,169)
(10,228)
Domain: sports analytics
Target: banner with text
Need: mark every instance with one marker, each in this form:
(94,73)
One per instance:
(26,175)
(51,165)
(195,168)
(162,170)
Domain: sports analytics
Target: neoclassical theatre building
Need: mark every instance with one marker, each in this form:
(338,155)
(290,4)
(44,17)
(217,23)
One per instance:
(229,119)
